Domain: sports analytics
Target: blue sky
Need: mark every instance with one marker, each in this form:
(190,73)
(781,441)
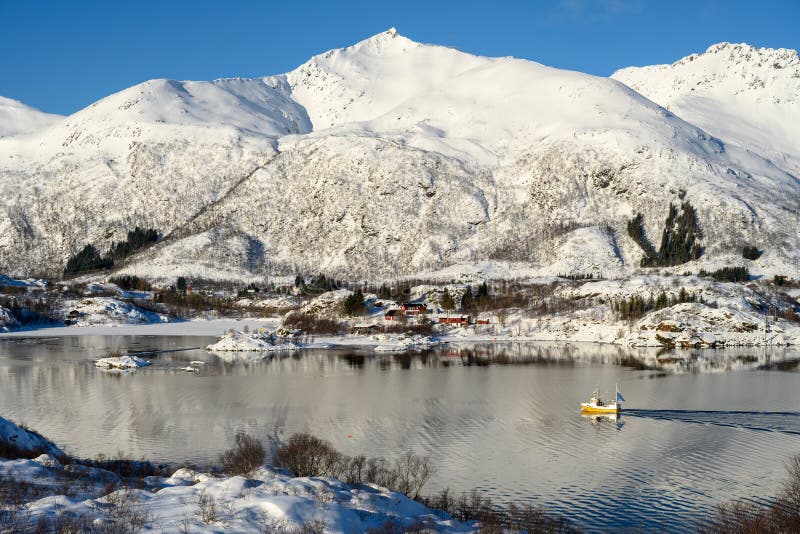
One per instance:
(62,56)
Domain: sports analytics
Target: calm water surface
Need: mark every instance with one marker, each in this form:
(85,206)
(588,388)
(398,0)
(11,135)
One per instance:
(711,427)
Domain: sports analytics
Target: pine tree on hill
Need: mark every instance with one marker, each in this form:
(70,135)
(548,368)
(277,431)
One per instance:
(87,259)
(446,302)
(466,300)
(680,239)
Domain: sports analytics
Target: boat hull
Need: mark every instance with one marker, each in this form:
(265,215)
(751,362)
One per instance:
(589,408)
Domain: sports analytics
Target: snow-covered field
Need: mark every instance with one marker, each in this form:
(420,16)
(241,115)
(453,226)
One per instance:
(189,501)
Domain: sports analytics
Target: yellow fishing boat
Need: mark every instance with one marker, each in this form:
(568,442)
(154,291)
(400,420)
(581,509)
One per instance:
(598,405)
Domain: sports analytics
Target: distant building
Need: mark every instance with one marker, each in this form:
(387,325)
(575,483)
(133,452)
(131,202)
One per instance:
(413,309)
(459,319)
(365,329)
(394,315)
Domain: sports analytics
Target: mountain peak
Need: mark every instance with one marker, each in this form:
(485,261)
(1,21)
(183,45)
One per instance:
(742,52)
(17,118)
(387,41)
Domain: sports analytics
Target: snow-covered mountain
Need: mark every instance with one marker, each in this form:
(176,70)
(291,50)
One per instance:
(744,95)
(16,118)
(383,159)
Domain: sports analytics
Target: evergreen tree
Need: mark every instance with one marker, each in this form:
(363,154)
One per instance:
(637,233)
(680,240)
(88,259)
(466,299)
(180,285)
(682,295)
(384,292)
(483,290)
(354,304)
(137,239)
(446,302)
(728,274)
(681,236)
(750,252)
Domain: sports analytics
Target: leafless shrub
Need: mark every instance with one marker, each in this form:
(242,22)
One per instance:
(246,455)
(306,455)
(125,511)
(207,508)
(743,517)
(14,518)
(311,324)
(380,472)
(389,527)
(423,329)
(315,526)
(473,506)
(353,472)
(185,524)
(67,523)
(395,527)
(269,525)
(13,491)
(413,472)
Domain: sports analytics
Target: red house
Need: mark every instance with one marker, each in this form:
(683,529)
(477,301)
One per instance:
(394,315)
(462,320)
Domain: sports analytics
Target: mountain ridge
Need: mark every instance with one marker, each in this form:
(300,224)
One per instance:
(385,158)
(17,118)
(746,95)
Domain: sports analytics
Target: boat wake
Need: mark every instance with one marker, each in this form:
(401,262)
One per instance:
(781,422)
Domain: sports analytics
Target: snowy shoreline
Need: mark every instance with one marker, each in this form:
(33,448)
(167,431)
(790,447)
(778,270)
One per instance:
(55,487)
(559,330)
(670,312)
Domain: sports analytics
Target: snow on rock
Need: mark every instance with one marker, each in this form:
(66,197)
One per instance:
(276,302)
(327,304)
(692,325)
(27,441)
(7,320)
(93,311)
(402,343)
(30,283)
(265,502)
(126,361)
(235,341)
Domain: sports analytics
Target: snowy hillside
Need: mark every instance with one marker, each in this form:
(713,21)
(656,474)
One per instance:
(383,159)
(741,94)
(16,118)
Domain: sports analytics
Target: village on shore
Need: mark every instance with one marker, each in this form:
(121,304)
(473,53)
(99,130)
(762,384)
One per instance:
(667,311)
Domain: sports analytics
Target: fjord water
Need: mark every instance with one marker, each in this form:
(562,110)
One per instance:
(720,428)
